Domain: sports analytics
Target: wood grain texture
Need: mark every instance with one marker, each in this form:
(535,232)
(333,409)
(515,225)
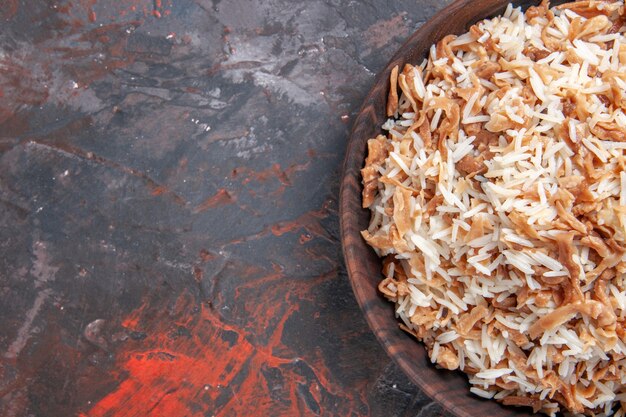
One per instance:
(450,389)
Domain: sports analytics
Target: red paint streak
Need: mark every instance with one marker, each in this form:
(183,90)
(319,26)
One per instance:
(308,221)
(156,14)
(118,8)
(304,238)
(274,171)
(157,4)
(159,190)
(92,15)
(262,279)
(221,198)
(130,322)
(289,172)
(197,274)
(219,365)
(280,229)
(156,375)
(190,376)
(278,268)
(206,256)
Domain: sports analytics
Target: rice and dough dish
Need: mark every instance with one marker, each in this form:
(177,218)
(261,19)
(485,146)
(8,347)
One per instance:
(498,205)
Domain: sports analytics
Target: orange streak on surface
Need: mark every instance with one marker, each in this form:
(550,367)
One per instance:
(308,221)
(130,322)
(205,372)
(221,198)
(159,190)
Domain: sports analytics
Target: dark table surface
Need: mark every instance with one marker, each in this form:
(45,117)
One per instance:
(169,174)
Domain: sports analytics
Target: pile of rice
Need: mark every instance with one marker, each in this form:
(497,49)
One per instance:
(498,201)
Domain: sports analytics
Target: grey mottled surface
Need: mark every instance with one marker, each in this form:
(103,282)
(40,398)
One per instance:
(168,212)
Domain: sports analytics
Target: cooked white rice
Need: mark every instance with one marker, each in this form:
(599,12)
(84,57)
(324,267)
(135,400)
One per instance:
(498,202)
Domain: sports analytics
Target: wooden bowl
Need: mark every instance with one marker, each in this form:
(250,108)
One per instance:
(451,389)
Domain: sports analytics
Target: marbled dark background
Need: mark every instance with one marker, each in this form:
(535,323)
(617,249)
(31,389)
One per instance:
(169,174)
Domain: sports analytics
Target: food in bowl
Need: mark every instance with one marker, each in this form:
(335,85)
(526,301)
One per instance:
(498,205)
